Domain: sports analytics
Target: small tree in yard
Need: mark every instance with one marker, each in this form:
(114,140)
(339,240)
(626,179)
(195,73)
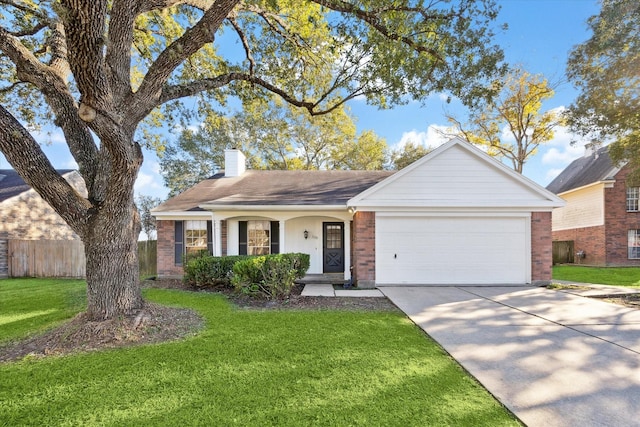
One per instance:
(105,71)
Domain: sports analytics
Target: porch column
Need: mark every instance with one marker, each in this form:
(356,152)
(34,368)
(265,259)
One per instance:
(347,250)
(283,248)
(217,237)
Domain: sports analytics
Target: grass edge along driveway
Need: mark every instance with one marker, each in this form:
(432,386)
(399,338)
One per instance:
(616,276)
(256,368)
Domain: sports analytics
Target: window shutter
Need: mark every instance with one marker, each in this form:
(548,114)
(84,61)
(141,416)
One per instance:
(179,241)
(275,237)
(210,237)
(242,238)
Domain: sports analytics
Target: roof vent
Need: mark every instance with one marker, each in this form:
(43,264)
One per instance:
(234,162)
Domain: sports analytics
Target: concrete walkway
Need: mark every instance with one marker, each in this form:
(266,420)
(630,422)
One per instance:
(554,358)
(315,290)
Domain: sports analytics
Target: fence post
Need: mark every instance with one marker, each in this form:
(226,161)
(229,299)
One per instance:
(4,255)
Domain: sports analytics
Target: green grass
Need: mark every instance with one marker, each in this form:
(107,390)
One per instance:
(31,305)
(262,368)
(619,276)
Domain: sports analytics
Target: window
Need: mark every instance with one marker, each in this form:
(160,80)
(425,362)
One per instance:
(633,244)
(333,234)
(633,194)
(258,237)
(195,236)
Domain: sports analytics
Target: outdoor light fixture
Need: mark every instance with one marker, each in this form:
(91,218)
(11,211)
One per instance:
(306,234)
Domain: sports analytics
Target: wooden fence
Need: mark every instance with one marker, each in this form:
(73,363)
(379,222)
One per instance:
(63,258)
(563,252)
(46,258)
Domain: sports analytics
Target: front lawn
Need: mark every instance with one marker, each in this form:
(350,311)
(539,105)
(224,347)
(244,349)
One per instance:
(28,306)
(250,367)
(619,276)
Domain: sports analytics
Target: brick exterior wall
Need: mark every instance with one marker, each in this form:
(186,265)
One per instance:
(618,221)
(541,248)
(166,246)
(591,240)
(4,256)
(607,244)
(364,249)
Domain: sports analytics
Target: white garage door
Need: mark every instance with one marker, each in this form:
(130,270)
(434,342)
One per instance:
(452,250)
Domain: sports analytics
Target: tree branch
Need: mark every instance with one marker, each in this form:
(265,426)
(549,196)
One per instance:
(118,56)
(25,155)
(57,94)
(373,19)
(147,96)
(85,26)
(245,44)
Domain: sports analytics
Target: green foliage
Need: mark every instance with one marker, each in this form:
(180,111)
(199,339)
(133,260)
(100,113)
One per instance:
(516,109)
(254,368)
(269,276)
(605,70)
(148,221)
(207,271)
(400,158)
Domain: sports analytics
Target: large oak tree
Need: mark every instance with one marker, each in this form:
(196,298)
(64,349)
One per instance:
(102,70)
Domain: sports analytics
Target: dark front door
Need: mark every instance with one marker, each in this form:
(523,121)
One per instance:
(333,247)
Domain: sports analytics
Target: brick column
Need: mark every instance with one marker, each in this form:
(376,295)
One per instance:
(364,249)
(541,248)
(4,255)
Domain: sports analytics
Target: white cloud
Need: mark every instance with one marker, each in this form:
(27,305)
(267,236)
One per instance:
(565,148)
(432,138)
(146,182)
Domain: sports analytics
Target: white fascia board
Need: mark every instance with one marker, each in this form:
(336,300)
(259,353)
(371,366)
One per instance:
(448,204)
(291,208)
(173,215)
(449,209)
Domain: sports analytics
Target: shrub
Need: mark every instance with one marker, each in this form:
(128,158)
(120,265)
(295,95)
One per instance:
(269,276)
(208,271)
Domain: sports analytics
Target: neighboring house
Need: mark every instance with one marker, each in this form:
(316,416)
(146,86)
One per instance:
(601,217)
(26,216)
(456,216)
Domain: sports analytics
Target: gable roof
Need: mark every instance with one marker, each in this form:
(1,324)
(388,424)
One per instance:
(457,175)
(12,184)
(584,171)
(274,188)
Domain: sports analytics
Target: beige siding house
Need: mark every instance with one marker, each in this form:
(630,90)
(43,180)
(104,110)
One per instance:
(26,216)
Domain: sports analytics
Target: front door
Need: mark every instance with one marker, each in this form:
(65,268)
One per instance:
(333,247)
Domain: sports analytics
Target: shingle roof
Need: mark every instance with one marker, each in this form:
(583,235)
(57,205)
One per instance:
(584,171)
(11,184)
(290,187)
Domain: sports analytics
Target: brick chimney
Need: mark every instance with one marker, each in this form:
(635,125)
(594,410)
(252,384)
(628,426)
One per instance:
(234,162)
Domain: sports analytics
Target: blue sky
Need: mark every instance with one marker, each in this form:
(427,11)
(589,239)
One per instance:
(541,33)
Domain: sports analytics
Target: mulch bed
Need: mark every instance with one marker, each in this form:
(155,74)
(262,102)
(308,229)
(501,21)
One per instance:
(156,323)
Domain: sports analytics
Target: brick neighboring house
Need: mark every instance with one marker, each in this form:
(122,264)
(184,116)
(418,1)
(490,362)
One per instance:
(26,216)
(456,216)
(602,213)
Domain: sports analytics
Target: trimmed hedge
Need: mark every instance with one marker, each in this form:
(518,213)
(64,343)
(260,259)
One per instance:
(269,276)
(208,271)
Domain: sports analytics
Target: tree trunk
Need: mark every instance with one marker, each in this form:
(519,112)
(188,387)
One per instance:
(111,250)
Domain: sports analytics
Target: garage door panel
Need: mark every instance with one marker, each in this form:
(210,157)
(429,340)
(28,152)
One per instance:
(440,250)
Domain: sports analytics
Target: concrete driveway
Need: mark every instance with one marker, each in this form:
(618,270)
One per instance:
(553,358)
